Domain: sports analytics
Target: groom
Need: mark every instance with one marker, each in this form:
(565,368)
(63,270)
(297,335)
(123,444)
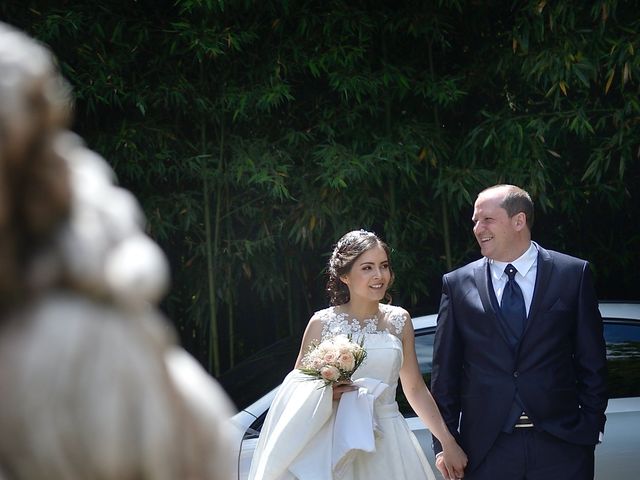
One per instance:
(519,360)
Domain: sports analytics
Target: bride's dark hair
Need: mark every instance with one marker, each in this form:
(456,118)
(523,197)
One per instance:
(345,253)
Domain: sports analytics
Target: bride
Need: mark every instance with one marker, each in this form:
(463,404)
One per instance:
(354,430)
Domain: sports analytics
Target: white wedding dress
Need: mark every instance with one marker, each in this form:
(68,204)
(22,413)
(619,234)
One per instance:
(307,436)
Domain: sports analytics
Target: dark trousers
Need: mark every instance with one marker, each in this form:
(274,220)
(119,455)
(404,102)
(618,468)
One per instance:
(527,454)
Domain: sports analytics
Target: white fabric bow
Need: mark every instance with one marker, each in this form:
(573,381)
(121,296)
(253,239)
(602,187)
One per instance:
(356,427)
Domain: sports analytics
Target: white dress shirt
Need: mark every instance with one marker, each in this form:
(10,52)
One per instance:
(527,266)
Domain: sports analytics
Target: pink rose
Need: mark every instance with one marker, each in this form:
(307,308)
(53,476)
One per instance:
(329,357)
(330,373)
(346,361)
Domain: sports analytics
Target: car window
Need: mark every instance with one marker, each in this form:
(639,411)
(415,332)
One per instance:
(424,352)
(623,358)
(256,427)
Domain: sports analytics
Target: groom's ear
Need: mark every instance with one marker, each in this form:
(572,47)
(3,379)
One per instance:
(519,220)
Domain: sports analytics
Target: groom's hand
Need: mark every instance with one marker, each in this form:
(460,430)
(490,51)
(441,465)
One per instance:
(449,472)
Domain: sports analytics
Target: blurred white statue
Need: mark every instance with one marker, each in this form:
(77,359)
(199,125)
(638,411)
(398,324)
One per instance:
(92,383)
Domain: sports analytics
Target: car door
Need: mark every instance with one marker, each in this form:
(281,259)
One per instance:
(618,456)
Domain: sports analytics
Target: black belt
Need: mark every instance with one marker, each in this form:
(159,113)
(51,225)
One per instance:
(524,421)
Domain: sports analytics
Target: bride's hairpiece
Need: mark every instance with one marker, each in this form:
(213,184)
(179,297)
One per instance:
(351,237)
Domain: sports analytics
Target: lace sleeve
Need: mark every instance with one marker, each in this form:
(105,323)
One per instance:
(397,318)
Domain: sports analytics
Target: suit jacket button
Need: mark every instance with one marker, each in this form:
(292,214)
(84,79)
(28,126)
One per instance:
(516,374)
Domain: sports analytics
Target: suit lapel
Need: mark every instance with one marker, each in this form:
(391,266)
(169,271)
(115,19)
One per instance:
(481,274)
(545,264)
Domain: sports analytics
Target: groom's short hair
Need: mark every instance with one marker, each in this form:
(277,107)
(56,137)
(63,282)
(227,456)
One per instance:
(516,200)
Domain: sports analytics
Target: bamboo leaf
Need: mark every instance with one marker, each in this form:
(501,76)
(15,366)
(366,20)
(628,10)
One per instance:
(563,86)
(612,74)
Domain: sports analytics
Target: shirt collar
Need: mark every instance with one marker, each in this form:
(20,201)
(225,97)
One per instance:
(523,263)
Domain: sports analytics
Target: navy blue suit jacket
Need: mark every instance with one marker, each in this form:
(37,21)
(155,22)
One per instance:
(559,367)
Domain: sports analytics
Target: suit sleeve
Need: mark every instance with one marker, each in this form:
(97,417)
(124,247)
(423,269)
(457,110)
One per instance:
(447,365)
(590,355)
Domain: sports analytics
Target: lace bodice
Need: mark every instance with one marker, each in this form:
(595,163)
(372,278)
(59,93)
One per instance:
(382,336)
(390,319)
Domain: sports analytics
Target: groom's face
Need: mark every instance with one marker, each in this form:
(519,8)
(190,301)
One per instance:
(495,231)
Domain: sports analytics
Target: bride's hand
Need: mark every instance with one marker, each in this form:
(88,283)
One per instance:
(453,459)
(342,387)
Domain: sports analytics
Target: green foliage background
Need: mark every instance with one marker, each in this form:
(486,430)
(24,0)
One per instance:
(256,133)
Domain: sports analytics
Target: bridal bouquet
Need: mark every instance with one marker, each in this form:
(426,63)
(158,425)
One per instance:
(334,359)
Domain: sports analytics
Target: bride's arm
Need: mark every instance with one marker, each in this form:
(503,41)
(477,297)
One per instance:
(312,335)
(424,405)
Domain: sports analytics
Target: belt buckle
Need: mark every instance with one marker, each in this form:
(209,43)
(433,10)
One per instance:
(524,422)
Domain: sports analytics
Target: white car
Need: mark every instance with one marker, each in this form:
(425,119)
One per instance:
(618,456)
